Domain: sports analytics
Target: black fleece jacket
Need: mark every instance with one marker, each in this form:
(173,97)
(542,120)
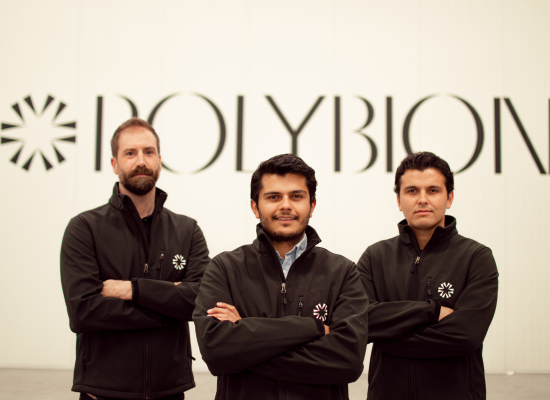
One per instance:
(138,348)
(414,356)
(278,350)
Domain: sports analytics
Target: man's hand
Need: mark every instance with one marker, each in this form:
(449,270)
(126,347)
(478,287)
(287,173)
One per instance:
(327,330)
(120,289)
(444,312)
(224,312)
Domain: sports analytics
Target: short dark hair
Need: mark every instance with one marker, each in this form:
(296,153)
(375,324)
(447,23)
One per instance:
(281,165)
(134,121)
(422,161)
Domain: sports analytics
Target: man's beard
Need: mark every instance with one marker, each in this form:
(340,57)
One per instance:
(139,185)
(278,237)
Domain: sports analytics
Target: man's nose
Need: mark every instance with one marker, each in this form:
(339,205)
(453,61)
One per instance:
(285,203)
(423,199)
(140,159)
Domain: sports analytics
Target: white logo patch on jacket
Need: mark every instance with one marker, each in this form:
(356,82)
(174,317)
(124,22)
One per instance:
(446,290)
(179,262)
(320,312)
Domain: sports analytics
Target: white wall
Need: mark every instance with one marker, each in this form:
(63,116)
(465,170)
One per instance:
(294,51)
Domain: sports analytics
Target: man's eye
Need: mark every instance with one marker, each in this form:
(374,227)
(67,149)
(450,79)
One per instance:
(130,153)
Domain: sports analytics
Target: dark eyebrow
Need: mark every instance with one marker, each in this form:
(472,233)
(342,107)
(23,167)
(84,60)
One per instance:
(429,187)
(294,191)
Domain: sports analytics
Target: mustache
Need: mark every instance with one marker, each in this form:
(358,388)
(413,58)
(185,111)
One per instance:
(142,171)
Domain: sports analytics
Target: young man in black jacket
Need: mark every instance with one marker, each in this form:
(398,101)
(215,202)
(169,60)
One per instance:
(130,272)
(432,294)
(282,318)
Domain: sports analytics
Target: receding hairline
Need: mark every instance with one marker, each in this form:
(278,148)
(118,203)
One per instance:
(134,127)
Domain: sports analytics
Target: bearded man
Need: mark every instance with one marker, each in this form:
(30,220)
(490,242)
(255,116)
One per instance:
(282,318)
(130,272)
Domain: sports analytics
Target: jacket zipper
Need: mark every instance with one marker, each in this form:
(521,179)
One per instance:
(416,262)
(412,393)
(277,264)
(147,365)
(415,283)
(145,245)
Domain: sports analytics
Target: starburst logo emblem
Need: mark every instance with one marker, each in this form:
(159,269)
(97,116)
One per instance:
(38,132)
(320,312)
(179,262)
(446,290)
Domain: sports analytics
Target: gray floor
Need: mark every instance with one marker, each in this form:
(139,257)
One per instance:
(25,384)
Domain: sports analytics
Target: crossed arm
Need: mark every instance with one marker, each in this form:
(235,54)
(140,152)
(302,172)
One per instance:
(290,348)
(96,305)
(227,312)
(405,328)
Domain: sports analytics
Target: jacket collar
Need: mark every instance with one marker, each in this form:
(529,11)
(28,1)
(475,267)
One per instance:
(125,204)
(313,238)
(407,237)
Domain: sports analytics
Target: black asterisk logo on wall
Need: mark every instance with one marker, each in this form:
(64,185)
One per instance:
(37,131)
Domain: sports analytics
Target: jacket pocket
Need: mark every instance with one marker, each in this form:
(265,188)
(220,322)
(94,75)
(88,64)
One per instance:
(300,305)
(429,288)
(160,263)
(471,375)
(87,353)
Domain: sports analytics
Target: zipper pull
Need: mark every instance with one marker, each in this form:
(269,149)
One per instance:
(160,262)
(300,306)
(428,284)
(146,269)
(283,291)
(416,262)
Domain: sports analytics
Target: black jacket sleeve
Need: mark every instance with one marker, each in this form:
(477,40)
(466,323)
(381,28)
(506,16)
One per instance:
(88,310)
(464,330)
(336,358)
(228,347)
(393,319)
(176,301)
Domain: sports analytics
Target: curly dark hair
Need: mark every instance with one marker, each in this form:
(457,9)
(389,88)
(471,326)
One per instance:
(281,165)
(422,161)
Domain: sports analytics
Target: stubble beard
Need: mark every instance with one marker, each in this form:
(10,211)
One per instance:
(139,185)
(278,237)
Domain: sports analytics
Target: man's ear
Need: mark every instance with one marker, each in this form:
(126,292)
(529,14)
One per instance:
(450,199)
(312,208)
(254,208)
(114,164)
(399,203)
